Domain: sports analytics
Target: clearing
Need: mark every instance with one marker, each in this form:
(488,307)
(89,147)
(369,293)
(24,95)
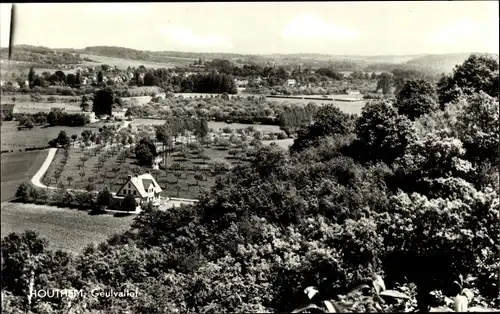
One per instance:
(66,229)
(18,167)
(125,63)
(13,139)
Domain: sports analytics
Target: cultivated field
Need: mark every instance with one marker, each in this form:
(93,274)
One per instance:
(347,107)
(214,125)
(31,107)
(113,172)
(66,229)
(18,167)
(21,97)
(13,139)
(125,63)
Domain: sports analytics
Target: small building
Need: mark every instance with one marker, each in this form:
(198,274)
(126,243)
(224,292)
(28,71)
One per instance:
(241,83)
(291,82)
(119,112)
(352,92)
(143,187)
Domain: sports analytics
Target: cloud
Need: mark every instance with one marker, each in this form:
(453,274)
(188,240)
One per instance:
(308,26)
(186,37)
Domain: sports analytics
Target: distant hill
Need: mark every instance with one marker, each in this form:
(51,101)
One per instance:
(40,55)
(443,63)
(432,63)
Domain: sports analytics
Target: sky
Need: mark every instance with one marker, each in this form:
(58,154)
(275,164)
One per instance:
(337,28)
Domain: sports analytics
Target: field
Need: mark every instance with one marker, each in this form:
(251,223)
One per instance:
(282,143)
(114,173)
(347,107)
(18,167)
(35,107)
(67,230)
(125,63)
(20,97)
(214,125)
(12,139)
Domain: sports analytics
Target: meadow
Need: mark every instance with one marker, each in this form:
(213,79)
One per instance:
(31,107)
(67,230)
(348,107)
(13,139)
(213,125)
(125,63)
(16,168)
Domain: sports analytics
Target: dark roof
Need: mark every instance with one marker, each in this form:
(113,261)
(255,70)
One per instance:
(7,106)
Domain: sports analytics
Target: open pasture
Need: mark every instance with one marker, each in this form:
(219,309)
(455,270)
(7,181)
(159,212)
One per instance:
(125,63)
(21,97)
(67,230)
(347,107)
(214,125)
(18,167)
(13,139)
(35,107)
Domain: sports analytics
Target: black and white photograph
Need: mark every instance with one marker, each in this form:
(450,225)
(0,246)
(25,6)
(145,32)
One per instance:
(250,157)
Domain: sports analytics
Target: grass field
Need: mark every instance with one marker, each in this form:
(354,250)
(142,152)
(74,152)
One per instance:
(282,143)
(35,107)
(12,139)
(124,63)
(66,229)
(214,125)
(20,97)
(347,107)
(17,168)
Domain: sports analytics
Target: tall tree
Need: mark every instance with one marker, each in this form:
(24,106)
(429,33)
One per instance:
(103,101)
(416,98)
(31,75)
(385,83)
(477,73)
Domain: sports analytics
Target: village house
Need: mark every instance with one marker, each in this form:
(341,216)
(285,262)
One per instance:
(14,84)
(291,82)
(353,92)
(143,187)
(197,67)
(257,80)
(241,83)
(119,113)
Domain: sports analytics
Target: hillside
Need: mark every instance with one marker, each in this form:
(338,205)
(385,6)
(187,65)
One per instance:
(442,63)
(41,55)
(120,56)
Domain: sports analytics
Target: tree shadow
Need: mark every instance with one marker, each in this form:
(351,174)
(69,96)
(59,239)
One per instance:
(124,214)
